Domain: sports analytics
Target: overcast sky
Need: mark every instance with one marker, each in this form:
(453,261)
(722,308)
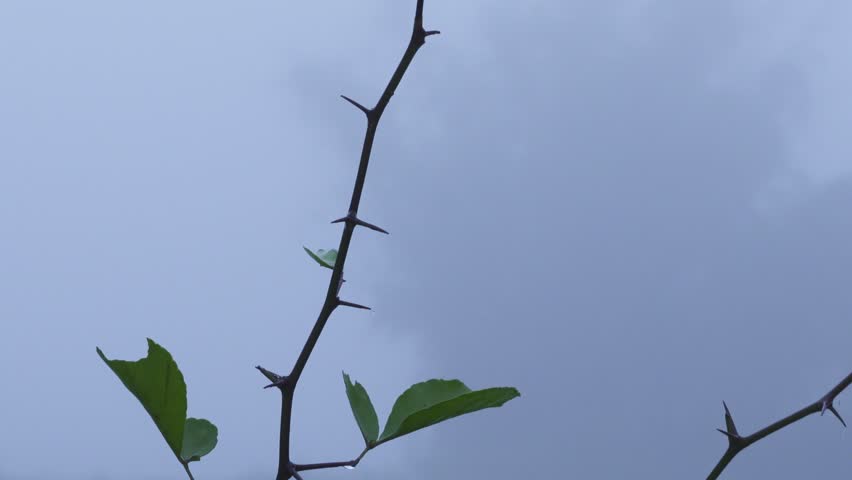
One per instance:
(631,210)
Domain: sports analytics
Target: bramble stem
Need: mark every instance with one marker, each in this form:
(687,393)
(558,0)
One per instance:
(737,443)
(286,469)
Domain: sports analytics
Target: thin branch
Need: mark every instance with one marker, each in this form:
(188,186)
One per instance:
(737,443)
(418,38)
(319,466)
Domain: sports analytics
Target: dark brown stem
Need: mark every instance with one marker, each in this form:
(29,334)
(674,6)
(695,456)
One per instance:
(737,443)
(286,469)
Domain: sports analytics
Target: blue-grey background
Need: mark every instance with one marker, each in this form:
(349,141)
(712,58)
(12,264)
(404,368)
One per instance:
(629,209)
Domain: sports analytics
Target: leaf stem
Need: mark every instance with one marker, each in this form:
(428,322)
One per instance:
(318,466)
(186,467)
(288,387)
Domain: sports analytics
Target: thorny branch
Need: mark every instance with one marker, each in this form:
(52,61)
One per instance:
(737,443)
(287,384)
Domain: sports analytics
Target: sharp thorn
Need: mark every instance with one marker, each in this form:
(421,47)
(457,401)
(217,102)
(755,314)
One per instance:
(371,226)
(728,434)
(271,376)
(280,383)
(431,32)
(729,420)
(357,221)
(277,380)
(358,105)
(344,303)
(836,414)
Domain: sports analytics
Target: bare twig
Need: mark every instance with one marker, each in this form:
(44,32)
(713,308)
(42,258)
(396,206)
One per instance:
(287,384)
(738,443)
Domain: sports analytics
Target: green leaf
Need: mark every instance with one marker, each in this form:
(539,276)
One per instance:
(158,384)
(326,258)
(199,439)
(362,409)
(433,401)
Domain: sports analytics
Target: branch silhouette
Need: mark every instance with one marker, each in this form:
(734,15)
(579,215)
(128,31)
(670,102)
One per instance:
(737,443)
(287,383)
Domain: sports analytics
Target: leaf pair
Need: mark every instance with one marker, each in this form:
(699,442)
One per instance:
(158,384)
(422,405)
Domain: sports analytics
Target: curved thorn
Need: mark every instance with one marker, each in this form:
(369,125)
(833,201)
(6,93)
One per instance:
(353,305)
(358,105)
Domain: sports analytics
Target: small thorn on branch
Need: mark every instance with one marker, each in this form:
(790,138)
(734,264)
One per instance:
(271,376)
(351,218)
(344,303)
(729,421)
(364,109)
(829,405)
(429,33)
(277,380)
(731,436)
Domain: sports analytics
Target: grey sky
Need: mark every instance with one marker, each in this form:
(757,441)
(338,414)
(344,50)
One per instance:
(630,210)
